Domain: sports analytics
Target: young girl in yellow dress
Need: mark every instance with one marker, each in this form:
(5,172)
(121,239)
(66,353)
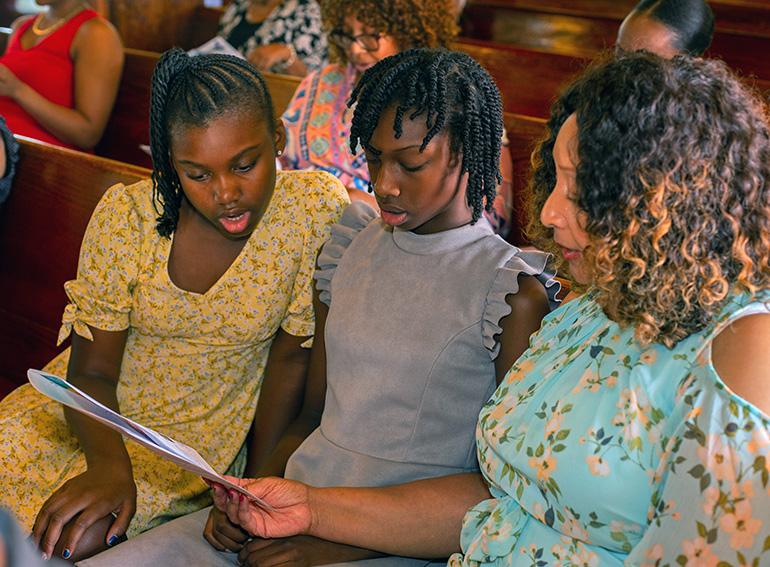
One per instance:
(193,293)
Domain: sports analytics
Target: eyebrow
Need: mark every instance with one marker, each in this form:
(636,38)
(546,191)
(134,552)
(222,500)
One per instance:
(236,157)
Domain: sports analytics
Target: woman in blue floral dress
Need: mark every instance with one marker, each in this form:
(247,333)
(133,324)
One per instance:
(634,431)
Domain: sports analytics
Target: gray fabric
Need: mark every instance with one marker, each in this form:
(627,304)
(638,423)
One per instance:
(18,549)
(410,348)
(178,543)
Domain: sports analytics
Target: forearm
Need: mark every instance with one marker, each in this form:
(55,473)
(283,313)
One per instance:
(418,519)
(297,432)
(101,445)
(67,124)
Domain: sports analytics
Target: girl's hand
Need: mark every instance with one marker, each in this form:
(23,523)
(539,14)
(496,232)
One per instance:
(290,499)
(92,495)
(222,534)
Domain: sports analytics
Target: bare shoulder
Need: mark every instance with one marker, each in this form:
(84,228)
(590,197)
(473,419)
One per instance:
(741,357)
(531,294)
(98,31)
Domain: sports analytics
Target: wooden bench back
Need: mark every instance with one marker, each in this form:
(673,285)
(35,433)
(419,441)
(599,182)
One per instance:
(41,227)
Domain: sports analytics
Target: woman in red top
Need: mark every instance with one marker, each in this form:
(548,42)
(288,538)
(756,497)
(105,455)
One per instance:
(59,75)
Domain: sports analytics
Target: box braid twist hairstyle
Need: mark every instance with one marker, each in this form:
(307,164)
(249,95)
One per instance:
(192,92)
(457,96)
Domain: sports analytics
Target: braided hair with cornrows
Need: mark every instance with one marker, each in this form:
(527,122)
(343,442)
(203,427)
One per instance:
(456,95)
(192,92)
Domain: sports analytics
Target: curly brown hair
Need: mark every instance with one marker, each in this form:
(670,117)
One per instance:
(411,23)
(674,179)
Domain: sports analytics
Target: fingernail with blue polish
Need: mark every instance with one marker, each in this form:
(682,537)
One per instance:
(66,553)
(112,540)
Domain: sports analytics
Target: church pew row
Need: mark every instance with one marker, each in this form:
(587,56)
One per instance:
(41,227)
(740,17)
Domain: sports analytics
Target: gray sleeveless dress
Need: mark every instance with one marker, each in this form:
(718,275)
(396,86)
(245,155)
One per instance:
(410,348)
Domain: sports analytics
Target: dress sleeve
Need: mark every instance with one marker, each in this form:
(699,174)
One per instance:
(107,268)
(506,282)
(357,215)
(326,199)
(710,503)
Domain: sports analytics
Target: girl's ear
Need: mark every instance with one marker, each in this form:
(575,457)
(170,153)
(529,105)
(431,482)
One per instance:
(279,137)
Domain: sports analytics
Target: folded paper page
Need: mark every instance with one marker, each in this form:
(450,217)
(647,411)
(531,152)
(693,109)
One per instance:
(176,452)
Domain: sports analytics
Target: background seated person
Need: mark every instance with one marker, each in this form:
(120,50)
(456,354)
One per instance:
(634,431)
(277,36)
(59,75)
(668,27)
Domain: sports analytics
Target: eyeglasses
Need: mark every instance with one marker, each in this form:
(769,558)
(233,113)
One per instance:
(366,41)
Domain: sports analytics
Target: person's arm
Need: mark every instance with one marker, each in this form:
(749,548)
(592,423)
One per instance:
(314,398)
(271,451)
(264,57)
(418,519)
(528,307)
(107,485)
(98,63)
(711,492)
(280,397)
(741,358)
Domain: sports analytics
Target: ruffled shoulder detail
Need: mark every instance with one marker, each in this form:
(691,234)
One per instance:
(356,216)
(530,262)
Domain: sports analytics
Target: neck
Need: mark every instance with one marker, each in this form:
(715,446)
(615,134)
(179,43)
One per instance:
(62,9)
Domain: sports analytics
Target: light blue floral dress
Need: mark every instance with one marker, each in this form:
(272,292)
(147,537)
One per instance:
(599,452)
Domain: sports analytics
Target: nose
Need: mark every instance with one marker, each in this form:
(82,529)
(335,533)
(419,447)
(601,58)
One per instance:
(226,190)
(549,214)
(384,185)
(355,49)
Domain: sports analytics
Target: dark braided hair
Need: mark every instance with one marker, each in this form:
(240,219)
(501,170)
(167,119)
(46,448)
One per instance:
(457,96)
(192,92)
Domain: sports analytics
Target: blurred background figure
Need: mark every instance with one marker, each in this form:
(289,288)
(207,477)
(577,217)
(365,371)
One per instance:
(277,36)
(9,149)
(59,75)
(668,27)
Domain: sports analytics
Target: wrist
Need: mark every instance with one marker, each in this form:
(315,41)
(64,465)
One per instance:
(286,63)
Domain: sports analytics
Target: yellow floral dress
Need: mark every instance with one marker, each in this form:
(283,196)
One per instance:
(601,453)
(193,363)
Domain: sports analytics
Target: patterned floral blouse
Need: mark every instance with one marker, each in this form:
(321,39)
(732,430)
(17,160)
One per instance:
(293,22)
(601,453)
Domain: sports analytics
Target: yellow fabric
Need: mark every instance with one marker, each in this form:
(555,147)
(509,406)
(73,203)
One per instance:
(193,363)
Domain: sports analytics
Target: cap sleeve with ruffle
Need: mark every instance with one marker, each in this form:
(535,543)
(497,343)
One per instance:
(354,219)
(109,262)
(506,281)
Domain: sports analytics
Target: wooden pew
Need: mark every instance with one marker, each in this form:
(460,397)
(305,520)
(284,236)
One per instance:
(129,123)
(528,79)
(41,226)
